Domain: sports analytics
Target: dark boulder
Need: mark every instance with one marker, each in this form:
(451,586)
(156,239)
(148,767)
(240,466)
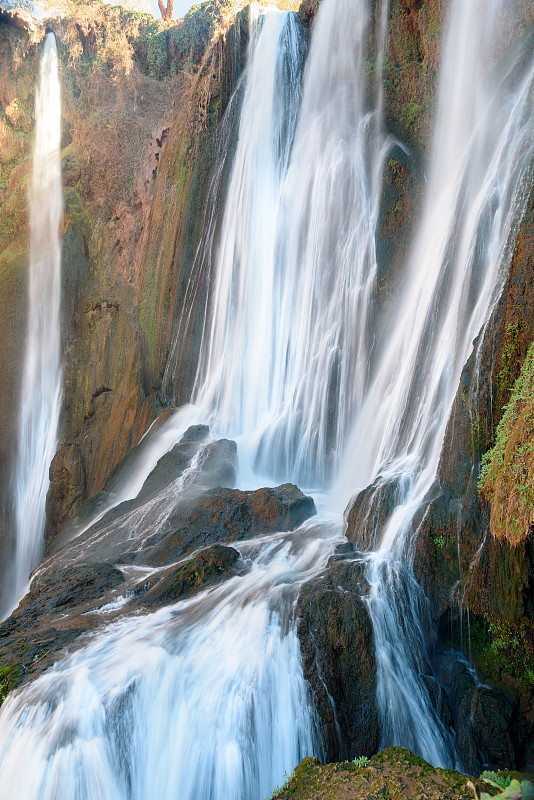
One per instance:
(367,515)
(173,464)
(336,639)
(51,616)
(205,569)
(484,721)
(229,515)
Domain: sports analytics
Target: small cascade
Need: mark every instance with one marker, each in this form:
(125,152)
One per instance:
(206,698)
(41,382)
(481,153)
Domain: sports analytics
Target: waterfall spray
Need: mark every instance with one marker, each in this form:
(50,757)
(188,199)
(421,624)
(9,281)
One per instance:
(41,383)
(294,278)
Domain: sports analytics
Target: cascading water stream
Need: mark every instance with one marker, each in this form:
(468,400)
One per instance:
(207,698)
(296,264)
(41,383)
(481,153)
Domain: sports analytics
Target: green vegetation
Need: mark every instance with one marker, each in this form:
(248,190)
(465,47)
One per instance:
(8,680)
(502,647)
(361,761)
(510,358)
(512,649)
(507,475)
(502,781)
(279,790)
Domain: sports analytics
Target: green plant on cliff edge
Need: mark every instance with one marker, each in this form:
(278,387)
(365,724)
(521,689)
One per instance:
(279,790)
(8,679)
(502,781)
(361,761)
(506,477)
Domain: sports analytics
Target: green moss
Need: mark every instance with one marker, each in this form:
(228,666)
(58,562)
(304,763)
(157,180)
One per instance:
(512,649)
(8,680)
(509,359)
(286,786)
(501,647)
(410,116)
(506,477)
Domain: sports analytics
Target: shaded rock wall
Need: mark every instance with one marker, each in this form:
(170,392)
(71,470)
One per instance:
(338,658)
(479,577)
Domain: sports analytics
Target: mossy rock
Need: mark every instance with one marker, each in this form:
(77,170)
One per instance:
(394,773)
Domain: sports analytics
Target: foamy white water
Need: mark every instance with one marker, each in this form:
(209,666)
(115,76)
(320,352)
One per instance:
(41,383)
(205,700)
(285,361)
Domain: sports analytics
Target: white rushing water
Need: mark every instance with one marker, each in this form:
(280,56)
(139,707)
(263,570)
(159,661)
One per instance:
(285,359)
(482,150)
(203,700)
(207,699)
(41,382)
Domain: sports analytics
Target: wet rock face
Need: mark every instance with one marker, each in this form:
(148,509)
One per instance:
(68,485)
(231,515)
(487,731)
(176,524)
(336,640)
(207,568)
(368,514)
(173,464)
(52,616)
(308,9)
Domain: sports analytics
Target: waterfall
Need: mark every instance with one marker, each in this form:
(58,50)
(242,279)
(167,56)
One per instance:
(41,382)
(296,265)
(205,699)
(481,153)
(209,695)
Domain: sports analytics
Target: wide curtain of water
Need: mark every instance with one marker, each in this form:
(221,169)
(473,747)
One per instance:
(207,698)
(41,381)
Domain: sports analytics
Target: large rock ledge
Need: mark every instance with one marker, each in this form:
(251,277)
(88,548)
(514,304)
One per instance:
(132,561)
(394,773)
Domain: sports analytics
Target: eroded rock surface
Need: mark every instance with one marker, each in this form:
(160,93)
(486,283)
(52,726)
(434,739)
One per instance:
(336,639)
(162,547)
(394,773)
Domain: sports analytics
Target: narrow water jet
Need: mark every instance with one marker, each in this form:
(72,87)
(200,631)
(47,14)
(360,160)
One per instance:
(41,381)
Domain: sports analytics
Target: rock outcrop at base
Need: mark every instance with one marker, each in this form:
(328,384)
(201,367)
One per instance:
(166,545)
(336,639)
(394,773)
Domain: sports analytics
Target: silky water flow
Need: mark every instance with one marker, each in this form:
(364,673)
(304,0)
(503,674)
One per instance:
(207,698)
(41,382)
